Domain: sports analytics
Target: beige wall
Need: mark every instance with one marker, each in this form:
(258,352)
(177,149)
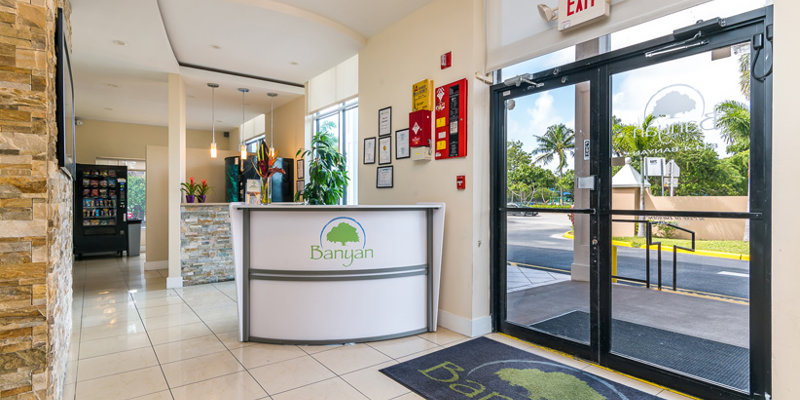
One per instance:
(199,165)
(115,139)
(289,127)
(391,62)
(785,195)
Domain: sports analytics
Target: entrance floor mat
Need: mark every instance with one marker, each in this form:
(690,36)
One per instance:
(708,359)
(485,369)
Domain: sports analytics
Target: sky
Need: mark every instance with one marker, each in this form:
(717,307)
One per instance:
(697,80)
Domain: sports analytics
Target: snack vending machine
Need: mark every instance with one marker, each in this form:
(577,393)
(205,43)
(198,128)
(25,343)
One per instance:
(100,210)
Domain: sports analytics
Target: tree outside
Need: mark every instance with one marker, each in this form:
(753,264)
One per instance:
(137,195)
(558,142)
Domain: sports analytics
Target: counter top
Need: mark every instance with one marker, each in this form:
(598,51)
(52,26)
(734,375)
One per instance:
(294,206)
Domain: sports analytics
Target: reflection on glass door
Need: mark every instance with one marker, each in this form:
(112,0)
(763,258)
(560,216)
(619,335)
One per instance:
(547,247)
(680,288)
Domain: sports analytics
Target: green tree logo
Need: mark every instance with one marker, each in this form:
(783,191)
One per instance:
(343,234)
(549,385)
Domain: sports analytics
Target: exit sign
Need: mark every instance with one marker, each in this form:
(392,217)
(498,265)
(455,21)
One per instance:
(572,13)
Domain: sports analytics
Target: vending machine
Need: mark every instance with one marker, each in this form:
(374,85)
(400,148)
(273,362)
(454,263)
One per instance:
(100,209)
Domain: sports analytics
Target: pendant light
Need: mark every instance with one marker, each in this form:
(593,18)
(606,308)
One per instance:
(271,120)
(241,129)
(213,135)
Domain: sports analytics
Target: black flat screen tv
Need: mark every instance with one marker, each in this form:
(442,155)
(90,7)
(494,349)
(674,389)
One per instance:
(65,100)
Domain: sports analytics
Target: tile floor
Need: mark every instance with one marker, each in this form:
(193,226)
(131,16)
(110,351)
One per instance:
(134,339)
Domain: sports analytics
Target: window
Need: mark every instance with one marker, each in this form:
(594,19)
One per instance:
(342,121)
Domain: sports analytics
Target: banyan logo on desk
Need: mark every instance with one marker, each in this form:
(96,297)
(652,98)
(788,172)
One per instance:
(342,238)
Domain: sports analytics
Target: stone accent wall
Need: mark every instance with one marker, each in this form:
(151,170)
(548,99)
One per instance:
(206,245)
(35,208)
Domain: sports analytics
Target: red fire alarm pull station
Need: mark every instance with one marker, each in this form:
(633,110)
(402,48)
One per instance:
(446,60)
(461,182)
(419,128)
(451,120)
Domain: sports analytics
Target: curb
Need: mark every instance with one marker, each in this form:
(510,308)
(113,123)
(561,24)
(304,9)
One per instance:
(707,253)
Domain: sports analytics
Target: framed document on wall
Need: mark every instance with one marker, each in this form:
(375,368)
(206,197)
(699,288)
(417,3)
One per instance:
(300,169)
(402,149)
(369,150)
(385,150)
(385,121)
(385,178)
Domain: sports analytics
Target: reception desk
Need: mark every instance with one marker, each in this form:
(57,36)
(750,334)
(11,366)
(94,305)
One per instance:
(336,274)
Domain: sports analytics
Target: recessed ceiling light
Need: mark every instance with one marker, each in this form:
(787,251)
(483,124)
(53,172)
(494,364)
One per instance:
(294,63)
(111,85)
(216,47)
(119,42)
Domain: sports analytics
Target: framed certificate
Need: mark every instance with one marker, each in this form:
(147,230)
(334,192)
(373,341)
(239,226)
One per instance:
(385,178)
(385,121)
(402,149)
(369,150)
(300,169)
(385,150)
(299,186)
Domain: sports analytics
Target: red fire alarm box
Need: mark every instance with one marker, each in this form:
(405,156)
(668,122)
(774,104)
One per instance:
(461,182)
(446,60)
(419,128)
(451,120)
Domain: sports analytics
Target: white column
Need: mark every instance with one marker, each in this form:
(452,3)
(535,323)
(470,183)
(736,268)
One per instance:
(177,174)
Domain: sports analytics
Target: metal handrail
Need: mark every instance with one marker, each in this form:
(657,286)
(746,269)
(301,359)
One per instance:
(649,243)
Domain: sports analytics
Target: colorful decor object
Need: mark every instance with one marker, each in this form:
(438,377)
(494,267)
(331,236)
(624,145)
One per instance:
(202,190)
(264,166)
(190,189)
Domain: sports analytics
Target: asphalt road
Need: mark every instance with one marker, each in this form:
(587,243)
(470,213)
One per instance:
(538,241)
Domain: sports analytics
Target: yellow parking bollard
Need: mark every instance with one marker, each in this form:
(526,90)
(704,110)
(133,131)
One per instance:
(613,263)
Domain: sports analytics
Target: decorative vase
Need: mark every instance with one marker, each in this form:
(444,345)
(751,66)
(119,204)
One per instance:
(190,198)
(266,191)
(201,198)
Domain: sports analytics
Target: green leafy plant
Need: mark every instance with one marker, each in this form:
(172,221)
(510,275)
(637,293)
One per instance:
(327,172)
(190,188)
(203,188)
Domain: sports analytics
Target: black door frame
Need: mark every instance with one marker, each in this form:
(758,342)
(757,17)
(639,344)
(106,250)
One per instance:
(598,71)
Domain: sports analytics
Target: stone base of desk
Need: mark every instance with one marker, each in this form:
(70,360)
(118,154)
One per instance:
(206,244)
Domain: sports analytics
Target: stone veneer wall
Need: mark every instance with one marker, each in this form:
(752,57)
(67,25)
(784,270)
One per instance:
(206,244)
(35,208)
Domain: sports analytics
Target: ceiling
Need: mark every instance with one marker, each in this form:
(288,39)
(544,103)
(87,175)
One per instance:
(122,52)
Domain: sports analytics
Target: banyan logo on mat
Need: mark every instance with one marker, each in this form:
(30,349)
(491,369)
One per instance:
(342,238)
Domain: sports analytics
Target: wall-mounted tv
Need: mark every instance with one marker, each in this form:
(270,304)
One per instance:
(65,102)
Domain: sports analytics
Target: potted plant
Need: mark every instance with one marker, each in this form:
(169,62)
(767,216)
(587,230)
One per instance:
(202,190)
(327,170)
(264,164)
(189,189)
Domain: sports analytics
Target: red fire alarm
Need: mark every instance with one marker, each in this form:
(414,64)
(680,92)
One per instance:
(461,182)
(447,59)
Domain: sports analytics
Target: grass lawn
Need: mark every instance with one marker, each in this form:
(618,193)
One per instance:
(725,246)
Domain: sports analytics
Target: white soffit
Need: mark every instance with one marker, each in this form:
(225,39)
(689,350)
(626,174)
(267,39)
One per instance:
(260,38)
(515,32)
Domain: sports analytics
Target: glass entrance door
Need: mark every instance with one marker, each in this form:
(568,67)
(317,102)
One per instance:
(546,214)
(631,218)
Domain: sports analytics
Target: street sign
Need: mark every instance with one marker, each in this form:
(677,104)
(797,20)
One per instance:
(654,166)
(672,169)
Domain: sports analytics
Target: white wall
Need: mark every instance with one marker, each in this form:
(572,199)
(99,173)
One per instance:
(391,62)
(785,195)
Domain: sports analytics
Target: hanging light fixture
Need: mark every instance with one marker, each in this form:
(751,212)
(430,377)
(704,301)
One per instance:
(213,135)
(241,129)
(271,119)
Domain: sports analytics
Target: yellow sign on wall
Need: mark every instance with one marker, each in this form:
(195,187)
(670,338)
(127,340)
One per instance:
(422,98)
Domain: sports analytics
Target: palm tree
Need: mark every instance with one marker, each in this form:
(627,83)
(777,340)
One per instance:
(733,121)
(557,141)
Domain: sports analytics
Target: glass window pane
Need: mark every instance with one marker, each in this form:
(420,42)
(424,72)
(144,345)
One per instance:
(681,129)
